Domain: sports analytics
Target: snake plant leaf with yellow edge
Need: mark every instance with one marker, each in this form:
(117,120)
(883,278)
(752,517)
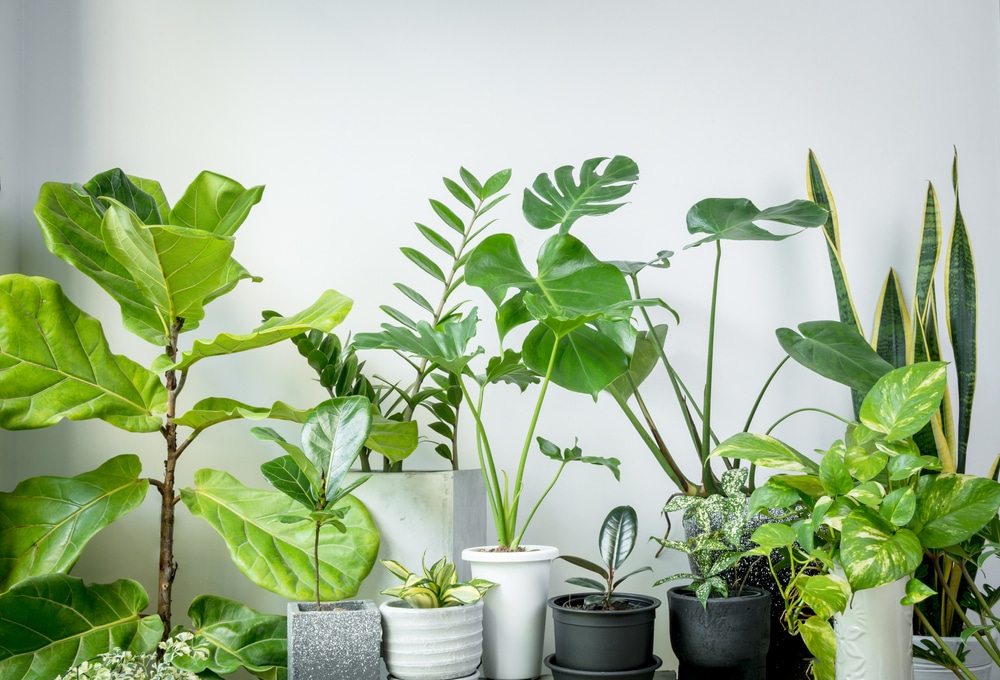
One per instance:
(46,522)
(237,636)
(56,363)
(51,623)
(276,555)
(892,334)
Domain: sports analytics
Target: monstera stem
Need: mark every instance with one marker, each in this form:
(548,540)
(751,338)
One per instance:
(168,498)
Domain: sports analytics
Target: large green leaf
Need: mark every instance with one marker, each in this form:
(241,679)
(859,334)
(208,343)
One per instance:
(175,268)
(333,436)
(215,410)
(276,555)
(735,219)
(617,536)
(391,438)
(143,197)
(905,399)
(444,345)
(215,204)
(873,552)
(586,360)
(951,508)
(48,624)
(55,363)
(764,451)
(566,201)
(239,636)
(325,314)
(45,522)
(834,350)
(70,219)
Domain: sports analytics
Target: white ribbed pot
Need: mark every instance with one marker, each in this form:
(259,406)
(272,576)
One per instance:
(977,661)
(875,635)
(514,615)
(431,644)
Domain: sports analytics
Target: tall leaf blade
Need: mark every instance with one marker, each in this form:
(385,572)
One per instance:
(927,258)
(547,205)
(239,636)
(325,314)
(215,204)
(277,556)
(51,623)
(891,336)
(46,522)
(55,363)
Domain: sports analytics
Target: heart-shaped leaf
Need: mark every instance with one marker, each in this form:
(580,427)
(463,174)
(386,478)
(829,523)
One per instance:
(905,399)
(586,360)
(45,522)
(567,200)
(826,594)
(873,552)
(836,351)
(278,556)
(51,623)
(57,364)
(952,507)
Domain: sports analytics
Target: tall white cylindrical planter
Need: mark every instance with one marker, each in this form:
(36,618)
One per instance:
(432,644)
(875,635)
(514,613)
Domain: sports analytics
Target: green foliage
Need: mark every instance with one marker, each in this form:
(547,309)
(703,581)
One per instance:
(163,266)
(873,506)
(120,664)
(717,545)
(437,587)
(616,540)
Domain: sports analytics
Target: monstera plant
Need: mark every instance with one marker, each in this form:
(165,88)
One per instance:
(163,265)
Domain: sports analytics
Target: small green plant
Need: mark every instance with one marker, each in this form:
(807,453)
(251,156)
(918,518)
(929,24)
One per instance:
(438,587)
(616,541)
(120,664)
(714,549)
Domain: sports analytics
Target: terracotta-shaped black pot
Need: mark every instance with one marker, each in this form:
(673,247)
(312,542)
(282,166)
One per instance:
(593,640)
(726,641)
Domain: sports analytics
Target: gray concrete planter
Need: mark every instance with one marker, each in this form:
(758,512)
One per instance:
(431,644)
(342,640)
(440,512)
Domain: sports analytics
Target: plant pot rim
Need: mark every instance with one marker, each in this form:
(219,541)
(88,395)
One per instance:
(747,592)
(403,608)
(309,606)
(531,553)
(646,602)
(550,661)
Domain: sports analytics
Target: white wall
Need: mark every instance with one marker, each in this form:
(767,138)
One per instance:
(351,113)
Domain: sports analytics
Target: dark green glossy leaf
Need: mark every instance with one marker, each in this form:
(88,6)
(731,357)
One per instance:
(56,363)
(734,219)
(46,522)
(459,193)
(416,297)
(333,436)
(143,197)
(586,360)
(436,240)
(509,369)
(836,351)
(890,335)
(444,345)
(424,262)
(470,181)
(496,183)
(546,205)
(618,535)
(51,623)
(285,475)
(448,216)
(278,556)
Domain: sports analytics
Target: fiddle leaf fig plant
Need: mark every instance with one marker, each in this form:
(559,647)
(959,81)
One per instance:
(163,265)
(616,540)
(872,506)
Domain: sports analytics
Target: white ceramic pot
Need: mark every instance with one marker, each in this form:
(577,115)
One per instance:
(977,661)
(875,635)
(514,613)
(431,644)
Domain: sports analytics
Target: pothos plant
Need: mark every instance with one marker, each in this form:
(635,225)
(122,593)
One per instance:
(875,505)
(162,265)
(576,309)
(616,540)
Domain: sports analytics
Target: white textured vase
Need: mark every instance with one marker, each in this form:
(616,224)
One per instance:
(875,635)
(514,613)
(431,644)
(977,661)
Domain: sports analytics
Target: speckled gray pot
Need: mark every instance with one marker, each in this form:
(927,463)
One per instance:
(342,640)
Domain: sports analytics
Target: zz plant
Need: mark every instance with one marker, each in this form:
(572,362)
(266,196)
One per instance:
(162,265)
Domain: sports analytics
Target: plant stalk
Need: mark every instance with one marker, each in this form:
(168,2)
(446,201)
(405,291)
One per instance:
(168,566)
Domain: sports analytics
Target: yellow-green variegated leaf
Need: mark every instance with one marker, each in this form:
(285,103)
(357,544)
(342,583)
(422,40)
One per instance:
(927,260)
(214,410)
(51,623)
(324,315)
(175,268)
(817,634)
(951,508)
(905,399)
(55,363)
(45,522)
(764,451)
(276,555)
(873,552)
(826,594)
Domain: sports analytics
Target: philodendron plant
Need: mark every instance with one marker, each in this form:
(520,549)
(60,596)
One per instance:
(163,265)
(616,540)
(875,505)
(437,587)
(332,437)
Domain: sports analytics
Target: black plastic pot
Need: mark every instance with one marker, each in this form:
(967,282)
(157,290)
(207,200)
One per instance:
(600,641)
(560,673)
(726,641)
